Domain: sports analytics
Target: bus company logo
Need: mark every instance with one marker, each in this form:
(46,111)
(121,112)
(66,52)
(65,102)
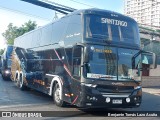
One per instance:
(114,22)
(117,83)
(6,114)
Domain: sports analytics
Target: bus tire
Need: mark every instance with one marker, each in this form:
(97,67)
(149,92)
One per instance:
(21,84)
(56,96)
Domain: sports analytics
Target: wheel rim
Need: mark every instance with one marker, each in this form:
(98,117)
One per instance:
(20,82)
(57,94)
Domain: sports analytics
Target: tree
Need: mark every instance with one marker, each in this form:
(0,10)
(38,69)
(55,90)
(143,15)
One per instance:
(1,51)
(13,31)
(158,30)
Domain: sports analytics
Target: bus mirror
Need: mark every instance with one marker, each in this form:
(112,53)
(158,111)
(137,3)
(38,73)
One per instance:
(86,52)
(150,59)
(136,61)
(86,55)
(154,65)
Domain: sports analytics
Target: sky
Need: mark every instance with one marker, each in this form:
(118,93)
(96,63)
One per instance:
(19,12)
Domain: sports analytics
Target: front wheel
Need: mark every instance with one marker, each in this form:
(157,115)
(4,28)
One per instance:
(56,96)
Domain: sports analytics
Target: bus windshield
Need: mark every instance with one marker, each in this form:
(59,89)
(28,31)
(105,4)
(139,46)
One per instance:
(111,28)
(111,63)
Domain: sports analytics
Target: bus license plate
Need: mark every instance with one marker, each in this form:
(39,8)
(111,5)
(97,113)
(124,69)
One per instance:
(117,101)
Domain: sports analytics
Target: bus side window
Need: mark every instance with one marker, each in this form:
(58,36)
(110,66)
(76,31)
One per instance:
(76,61)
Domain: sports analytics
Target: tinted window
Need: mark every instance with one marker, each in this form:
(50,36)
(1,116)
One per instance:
(106,62)
(59,29)
(74,30)
(36,39)
(77,61)
(46,35)
(76,19)
(103,61)
(119,29)
(125,60)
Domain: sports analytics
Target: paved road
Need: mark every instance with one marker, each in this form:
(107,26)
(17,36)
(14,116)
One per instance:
(13,99)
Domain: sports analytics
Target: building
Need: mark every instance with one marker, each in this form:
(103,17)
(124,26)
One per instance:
(145,12)
(150,41)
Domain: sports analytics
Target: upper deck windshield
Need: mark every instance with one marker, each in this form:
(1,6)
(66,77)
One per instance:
(111,28)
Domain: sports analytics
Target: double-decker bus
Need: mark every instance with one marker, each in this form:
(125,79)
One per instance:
(89,58)
(6,62)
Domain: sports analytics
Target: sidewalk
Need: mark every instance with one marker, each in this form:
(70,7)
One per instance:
(152,90)
(151,84)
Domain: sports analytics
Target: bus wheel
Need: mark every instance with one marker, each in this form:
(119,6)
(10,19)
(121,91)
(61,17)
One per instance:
(21,84)
(56,96)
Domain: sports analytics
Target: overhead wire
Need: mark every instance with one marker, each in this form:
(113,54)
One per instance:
(48,1)
(82,3)
(23,13)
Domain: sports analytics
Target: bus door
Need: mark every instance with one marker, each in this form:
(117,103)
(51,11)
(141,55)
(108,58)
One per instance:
(76,72)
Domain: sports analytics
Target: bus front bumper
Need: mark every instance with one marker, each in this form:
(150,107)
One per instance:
(90,97)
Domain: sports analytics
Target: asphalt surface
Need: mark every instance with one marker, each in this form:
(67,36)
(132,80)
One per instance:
(13,99)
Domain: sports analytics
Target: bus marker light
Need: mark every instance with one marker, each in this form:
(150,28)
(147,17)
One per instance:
(89,104)
(68,95)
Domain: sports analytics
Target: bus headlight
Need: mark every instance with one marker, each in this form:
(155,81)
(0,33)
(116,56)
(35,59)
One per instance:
(92,48)
(128,100)
(108,100)
(7,72)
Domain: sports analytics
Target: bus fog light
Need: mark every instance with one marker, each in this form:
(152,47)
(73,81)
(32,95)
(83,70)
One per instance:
(135,99)
(128,100)
(94,98)
(108,99)
(137,104)
(88,97)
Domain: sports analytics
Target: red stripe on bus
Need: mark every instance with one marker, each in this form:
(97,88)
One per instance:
(74,100)
(65,67)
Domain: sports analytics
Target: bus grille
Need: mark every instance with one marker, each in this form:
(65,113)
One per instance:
(107,89)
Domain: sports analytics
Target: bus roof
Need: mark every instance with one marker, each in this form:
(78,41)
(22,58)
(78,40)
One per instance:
(99,12)
(85,11)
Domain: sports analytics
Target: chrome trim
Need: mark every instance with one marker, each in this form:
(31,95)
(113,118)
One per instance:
(116,95)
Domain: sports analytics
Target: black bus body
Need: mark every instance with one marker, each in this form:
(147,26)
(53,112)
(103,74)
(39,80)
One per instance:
(6,62)
(89,58)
